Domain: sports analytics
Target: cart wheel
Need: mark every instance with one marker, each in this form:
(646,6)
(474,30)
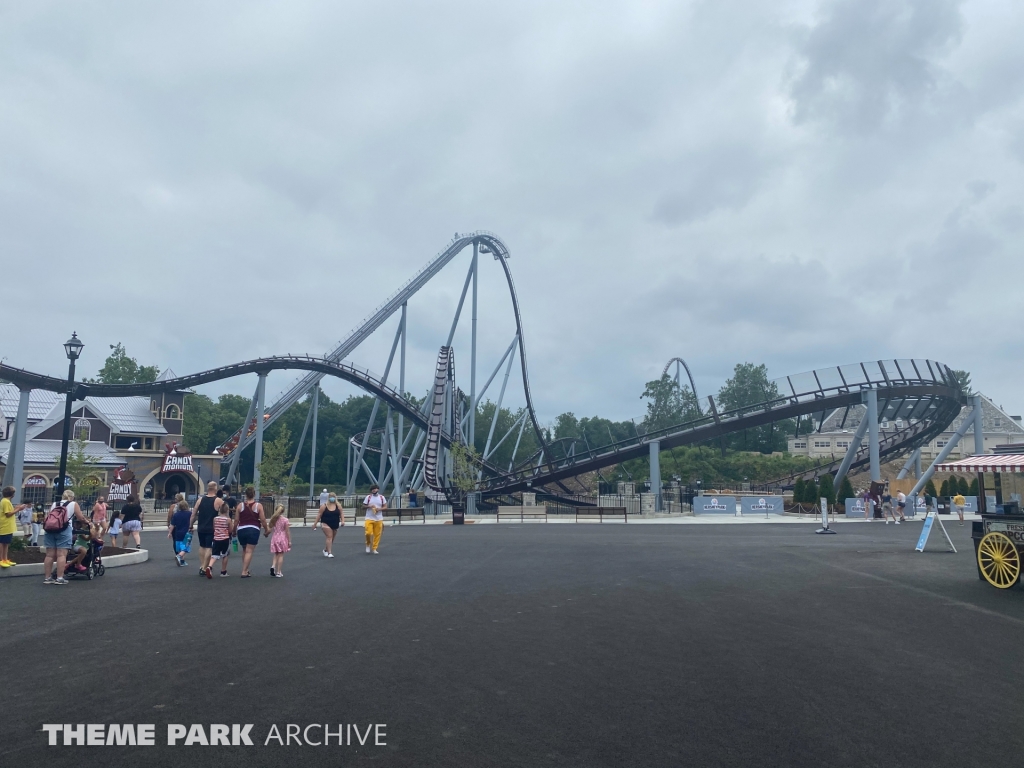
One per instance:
(999,560)
(101,569)
(88,573)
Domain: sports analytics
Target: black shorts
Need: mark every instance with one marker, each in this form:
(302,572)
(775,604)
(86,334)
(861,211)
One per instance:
(205,539)
(331,519)
(220,547)
(248,537)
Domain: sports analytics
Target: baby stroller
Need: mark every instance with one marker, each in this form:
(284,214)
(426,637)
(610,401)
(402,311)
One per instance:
(92,562)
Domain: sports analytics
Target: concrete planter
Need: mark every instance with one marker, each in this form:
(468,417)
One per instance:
(113,561)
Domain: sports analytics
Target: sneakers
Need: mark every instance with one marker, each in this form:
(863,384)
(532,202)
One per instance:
(272,571)
(896,521)
(81,568)
(202,572)
(367,550)
(209,572)
(223,574)
(330,554)
(6,563)
(886,522)
(376,552)
(325,553)
(60,581)
(279,575)
(49,580)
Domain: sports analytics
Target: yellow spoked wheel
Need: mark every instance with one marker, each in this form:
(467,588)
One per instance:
(999,560)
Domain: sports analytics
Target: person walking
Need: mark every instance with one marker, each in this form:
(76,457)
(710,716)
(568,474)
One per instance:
(98,514)
(131,521)
(177,531)
(865,499)
(323,497)
(251,522)
(203,513)
(887,510)
(373,524)
(280,539)
(56,539)
(8,525)
(329,518)
(959,502)
(114,528)
(223,528)
(901,505)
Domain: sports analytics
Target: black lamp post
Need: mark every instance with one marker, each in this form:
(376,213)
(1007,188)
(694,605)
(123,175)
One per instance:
(73,349)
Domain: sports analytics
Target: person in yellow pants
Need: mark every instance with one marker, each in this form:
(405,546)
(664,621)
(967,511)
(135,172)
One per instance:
(375,504)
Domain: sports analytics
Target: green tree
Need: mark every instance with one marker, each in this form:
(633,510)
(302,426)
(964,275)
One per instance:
(119,368)
(963,379)
(827,489)
(276,461)
(197,424)
(972,489)
(944,488)
(749,387)
(929,488)
(845,490)
(963,487)
(80,468)
(798,491)
(668,404)
(465,467)
(810,492)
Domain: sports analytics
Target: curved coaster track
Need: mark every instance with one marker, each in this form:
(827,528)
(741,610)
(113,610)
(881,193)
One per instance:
(922,394)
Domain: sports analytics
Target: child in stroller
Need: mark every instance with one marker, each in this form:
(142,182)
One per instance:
(87,549)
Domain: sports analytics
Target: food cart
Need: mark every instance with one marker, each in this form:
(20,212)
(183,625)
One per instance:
(999,535)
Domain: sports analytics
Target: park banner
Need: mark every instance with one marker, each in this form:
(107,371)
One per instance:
(714,505)
(761,505)
(854,507)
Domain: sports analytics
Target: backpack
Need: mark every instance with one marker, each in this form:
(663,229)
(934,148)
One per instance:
(56,519)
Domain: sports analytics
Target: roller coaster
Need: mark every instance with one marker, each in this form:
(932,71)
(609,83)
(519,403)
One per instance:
(413,445)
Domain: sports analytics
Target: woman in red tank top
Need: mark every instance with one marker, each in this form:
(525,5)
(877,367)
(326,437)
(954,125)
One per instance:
(251,522)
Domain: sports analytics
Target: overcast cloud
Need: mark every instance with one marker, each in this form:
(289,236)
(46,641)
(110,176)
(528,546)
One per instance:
(801,184)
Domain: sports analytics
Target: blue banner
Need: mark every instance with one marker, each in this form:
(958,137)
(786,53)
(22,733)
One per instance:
(925,530)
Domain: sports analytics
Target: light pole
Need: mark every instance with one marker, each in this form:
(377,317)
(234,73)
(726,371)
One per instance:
(73,349)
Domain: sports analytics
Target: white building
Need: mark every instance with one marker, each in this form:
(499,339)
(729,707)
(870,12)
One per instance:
(835,436)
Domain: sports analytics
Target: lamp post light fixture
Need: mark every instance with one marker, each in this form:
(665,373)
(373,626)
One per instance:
(73,349)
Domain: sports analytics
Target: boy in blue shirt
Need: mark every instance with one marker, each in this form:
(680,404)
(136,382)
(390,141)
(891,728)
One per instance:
(178,529)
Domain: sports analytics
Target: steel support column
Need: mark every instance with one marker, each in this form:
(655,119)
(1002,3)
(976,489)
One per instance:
(851,453)
(917,464)
(979,424)
(401,417)
(302,440)
(16,454)
(472,351)
(656,473)
(923,480)
(312,445)
(871,400)
(237,455)
(261,391)
(914,459)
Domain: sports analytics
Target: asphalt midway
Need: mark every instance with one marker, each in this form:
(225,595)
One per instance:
(536,645)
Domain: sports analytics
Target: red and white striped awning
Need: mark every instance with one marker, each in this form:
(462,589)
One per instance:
(1009,462)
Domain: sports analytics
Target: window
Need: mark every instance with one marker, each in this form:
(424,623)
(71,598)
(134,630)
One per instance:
(124,442)
(822,444)
(940,443)
(82,430)
(998,422)
(842,443)
(149,443)
(800,444)
(899,423)
(172,412)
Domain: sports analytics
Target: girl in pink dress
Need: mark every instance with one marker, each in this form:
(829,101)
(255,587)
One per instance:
(280,539)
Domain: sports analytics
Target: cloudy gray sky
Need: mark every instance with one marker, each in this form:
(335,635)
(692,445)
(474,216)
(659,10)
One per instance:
(795,183)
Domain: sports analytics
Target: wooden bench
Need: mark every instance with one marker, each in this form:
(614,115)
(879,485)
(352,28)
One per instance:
(600,514)
(522,514)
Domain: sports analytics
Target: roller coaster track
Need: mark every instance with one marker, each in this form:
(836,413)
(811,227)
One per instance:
(929,401)
(490,243)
